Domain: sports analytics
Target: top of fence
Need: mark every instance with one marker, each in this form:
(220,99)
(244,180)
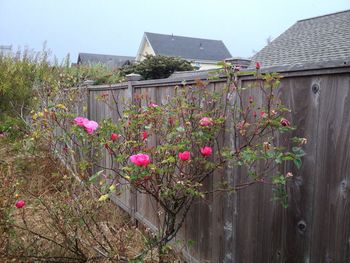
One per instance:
(189,77)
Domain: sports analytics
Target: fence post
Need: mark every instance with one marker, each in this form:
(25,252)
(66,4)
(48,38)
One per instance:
(132,78)
(86,85)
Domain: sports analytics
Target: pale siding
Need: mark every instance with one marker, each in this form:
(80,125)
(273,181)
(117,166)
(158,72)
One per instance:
(147,50)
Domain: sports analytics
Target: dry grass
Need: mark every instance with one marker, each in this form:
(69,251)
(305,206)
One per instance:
(62,221)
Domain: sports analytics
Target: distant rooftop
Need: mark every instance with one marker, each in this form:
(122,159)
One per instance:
(313,40)
(110,61)
(5,49)
(188,47)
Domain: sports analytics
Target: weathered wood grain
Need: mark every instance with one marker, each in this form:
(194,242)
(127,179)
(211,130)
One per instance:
(247,226)
(331,227)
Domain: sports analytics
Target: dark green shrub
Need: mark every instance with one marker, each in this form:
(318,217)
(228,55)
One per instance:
(157,67)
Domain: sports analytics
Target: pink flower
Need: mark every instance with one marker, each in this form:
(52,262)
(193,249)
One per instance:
(171,121)
(284,122)
(254,114)
(80,121)
(257,65)
(114,136)
(90,126)
(140,159)
(144,135)
(263,114)
(205,121)
(206,151)
(184,156)
(153,105)
(20,203)
(240,125)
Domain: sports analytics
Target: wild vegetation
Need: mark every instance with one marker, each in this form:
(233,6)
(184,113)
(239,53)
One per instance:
(23,75)
(71,196)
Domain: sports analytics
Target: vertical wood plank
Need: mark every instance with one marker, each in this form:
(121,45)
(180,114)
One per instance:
(331,228)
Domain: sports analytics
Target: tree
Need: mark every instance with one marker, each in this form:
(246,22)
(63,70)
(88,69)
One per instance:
(157,67)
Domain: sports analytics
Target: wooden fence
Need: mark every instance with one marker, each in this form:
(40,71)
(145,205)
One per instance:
(248,226)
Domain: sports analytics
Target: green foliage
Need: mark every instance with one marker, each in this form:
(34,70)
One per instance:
(192,120)
(24,76)
(12,127)
(157,67)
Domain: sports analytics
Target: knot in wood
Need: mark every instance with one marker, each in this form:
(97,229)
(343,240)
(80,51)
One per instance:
(315,88)
(301,225)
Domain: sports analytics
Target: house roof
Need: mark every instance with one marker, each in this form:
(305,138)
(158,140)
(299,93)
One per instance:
(187,47)
(314,40)
(110,61)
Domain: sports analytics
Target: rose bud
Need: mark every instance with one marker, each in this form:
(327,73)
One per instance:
(206,151)
(20,203)
(205,121)
(114,136)
(144,135)
(184,156)
(284,122)
(266,146)
(263,114)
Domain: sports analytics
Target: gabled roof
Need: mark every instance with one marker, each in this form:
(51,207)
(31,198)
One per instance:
(110,61)
(187,47)
(314,40)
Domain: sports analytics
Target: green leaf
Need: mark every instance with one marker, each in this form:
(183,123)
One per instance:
(298,151)
(298,163)
(180,129)
(93,178)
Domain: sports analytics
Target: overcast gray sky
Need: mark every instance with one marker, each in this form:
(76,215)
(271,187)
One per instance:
(116,26)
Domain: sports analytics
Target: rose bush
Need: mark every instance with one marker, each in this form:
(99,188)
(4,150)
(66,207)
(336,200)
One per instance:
(186,129)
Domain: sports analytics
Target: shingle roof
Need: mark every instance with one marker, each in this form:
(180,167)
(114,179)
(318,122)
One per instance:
(110,61)
(188,47)
(313,40)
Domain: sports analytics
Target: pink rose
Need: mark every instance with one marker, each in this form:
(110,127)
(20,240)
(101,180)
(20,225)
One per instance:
(140,159)
(184,156)
(20,203)
(114,136)
(205,121)
(206,151)
(144,135)
(90,126)
(257,65)
(284,122)
(263,114)
(153,105)
(80,121)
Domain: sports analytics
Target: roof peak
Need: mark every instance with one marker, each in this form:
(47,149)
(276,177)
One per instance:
(335,13)
(172,35)
(99,54)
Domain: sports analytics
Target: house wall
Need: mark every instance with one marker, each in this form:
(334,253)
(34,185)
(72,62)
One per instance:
(147,50)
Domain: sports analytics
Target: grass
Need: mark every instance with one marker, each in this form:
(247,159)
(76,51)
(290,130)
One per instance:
(61,221)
